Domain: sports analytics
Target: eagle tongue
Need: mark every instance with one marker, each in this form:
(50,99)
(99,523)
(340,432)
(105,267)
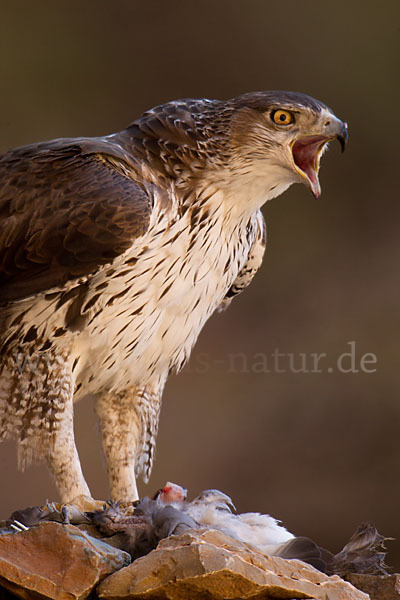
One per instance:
(305,155)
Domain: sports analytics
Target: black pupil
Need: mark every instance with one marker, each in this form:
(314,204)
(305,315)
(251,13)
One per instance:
(283,117)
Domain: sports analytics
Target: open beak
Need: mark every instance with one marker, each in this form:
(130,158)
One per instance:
(307,152)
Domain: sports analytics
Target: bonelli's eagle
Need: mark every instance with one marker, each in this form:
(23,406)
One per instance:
(114,252)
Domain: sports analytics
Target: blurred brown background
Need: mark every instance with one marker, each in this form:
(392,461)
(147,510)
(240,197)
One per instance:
(318,450)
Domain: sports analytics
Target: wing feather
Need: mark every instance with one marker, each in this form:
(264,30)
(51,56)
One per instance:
(67,207)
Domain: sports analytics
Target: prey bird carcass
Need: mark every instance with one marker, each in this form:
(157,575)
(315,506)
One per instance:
(114,252)
(139,526)
(169,513)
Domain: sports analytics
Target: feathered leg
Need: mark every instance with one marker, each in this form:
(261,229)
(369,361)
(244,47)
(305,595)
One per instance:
(129,424)
(36,396)
(63,459)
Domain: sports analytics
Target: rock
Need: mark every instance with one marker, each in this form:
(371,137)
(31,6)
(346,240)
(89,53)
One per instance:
(378,587)
(207,564)
(55,561)
(84,503)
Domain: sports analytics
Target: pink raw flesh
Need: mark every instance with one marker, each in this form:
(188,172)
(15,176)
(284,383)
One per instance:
(305,154)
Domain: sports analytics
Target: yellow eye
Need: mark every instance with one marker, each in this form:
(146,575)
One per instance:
(282,117)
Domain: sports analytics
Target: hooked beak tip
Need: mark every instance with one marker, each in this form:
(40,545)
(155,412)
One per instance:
(343,136)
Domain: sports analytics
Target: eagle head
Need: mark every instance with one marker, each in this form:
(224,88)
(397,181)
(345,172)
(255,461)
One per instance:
(279,137)
(253,146)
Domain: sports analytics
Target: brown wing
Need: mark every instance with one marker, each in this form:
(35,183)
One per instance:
(66,208)
(365,553)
